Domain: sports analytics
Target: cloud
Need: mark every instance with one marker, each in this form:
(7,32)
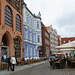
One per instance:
(59,13)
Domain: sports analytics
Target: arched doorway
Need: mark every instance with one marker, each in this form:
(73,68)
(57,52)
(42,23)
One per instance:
(17,47)
(4,47)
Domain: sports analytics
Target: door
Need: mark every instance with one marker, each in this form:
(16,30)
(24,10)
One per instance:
(4,49)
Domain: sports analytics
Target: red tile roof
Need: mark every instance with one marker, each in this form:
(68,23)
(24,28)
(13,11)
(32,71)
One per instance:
(47,27)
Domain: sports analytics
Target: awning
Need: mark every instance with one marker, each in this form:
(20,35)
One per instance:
(70,45)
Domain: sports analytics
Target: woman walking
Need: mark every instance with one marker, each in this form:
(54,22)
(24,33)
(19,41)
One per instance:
(13,61)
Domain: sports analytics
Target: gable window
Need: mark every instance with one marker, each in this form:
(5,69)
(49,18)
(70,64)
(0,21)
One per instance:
(8,16)
(18,23)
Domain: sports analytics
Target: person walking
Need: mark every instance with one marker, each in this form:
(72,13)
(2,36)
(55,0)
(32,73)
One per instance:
(9,63)
(13,61)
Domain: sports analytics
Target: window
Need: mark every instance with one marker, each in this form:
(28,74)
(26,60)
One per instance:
(26,49)
(26,33)
(37,53)
(31,22)
(30,50)
(27,19)
(18,23)
(17,47)
(34,51)
(8,16)
(69,41)
(33,37)
(30,36)
(38,38)
(64,41)
(38,25)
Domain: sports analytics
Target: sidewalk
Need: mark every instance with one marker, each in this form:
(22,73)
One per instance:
(18,68)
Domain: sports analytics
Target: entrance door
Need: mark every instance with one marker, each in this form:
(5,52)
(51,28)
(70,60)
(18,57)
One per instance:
(4,49)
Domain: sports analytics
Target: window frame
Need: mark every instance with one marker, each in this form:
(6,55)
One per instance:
(18,22)
(8,16)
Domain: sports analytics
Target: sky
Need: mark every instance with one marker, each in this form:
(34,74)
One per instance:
(58,13)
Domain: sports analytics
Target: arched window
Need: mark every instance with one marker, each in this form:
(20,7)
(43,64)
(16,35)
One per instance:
(8,16)
(17,47)
(18,23)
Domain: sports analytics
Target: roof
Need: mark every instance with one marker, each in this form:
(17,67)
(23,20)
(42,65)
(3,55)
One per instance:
(47,27)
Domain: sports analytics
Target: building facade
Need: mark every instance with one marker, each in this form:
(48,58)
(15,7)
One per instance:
(59,40)
(67,39)
(45,51)
(11,31)
(31,33)
(53,38)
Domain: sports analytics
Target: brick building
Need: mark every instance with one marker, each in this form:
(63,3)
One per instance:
(67,39)
(45,51)
(11,31)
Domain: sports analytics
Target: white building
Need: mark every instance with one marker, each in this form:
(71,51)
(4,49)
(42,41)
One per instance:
(31,33)
(53,38)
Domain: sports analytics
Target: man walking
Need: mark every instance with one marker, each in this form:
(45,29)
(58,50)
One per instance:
(13,61)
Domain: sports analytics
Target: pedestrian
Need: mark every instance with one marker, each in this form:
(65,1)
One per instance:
(13,61)
(9,63)
(2,59)
(53,57)
(5,57)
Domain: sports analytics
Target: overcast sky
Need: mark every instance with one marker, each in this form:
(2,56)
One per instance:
(58,13)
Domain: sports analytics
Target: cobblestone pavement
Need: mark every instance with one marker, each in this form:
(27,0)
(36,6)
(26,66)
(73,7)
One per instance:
(44,69)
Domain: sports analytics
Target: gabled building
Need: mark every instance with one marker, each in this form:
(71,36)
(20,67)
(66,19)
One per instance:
(53,38)
(31,33)
(11,31)
(45,51)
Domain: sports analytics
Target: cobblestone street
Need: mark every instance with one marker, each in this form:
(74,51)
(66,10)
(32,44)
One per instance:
(43,69)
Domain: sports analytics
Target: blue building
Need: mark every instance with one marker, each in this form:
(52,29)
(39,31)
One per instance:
(31,33)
